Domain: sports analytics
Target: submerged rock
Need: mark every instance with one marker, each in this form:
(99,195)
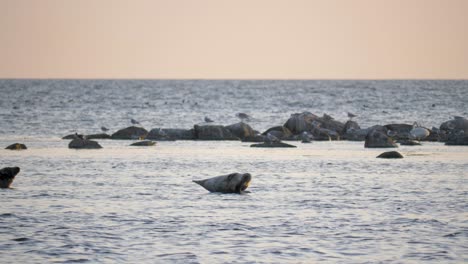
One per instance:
(79,143)
(272,145)
(390,155)
(132,132)
(211,132)
(377,138)
(145,143)
(232,183)
(16,146)
(7,175)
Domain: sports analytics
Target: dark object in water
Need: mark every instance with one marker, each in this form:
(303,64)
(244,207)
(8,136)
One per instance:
(16,146)
(232,183)
(390,155)
(7,175)
(145,143)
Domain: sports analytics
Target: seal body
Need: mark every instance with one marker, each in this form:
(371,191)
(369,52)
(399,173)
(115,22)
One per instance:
(7,175)
(232,183)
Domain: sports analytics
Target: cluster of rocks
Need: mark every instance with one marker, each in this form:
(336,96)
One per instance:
(299,127)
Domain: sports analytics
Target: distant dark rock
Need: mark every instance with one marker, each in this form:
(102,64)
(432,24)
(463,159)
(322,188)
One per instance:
(16,146)
(211,132)
(145,143)
(241,130)
(98,136)
(169,134)
(132,132)
(272,145)
(456,124)
(7,175)
(300,122)
(280,132)
(390,155)
(377,138)
(457,139)
(79,143)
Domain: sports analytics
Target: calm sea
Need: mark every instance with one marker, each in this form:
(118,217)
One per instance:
(328,202)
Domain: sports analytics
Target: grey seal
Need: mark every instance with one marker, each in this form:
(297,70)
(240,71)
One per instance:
(231,183)
(7,175)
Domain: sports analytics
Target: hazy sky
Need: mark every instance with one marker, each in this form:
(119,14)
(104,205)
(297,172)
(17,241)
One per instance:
(310,39)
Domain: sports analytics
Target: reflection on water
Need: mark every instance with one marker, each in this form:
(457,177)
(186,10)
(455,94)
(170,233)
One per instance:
(325,201)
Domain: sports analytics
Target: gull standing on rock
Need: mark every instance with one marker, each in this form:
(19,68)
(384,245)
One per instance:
(351,115)
(243,117)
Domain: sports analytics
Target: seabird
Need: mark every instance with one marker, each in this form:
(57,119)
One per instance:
(104,129)
(351,115)
(208,120)
(134,121)
(243,116)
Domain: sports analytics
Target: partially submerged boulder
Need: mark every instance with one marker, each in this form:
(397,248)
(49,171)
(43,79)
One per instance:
(7,175)
(16,146)
(272,145)
(390,155)
(145,143)
(281,132)
(300,122)
(212,132)
(377,138)
(132,132)
(79,143)
(169,134)
(241,130)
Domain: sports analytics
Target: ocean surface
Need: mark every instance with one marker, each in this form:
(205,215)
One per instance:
(326,202)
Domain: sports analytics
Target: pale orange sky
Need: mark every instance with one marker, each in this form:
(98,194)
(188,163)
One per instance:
(237,39)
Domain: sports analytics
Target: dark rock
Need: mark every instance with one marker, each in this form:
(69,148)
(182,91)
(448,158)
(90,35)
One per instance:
(79,143)
(145,143)
(457,139)
(213,133)
(7,175)
(241,130)
(300,122)
(399,131)
(377,138)
(390,155)
(132,132)
(16,146)
(457,124)
(98,136)
(169,134)
(272,145)
(350,125)
(280,132)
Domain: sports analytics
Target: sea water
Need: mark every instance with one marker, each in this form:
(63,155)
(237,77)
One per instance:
(328,202)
